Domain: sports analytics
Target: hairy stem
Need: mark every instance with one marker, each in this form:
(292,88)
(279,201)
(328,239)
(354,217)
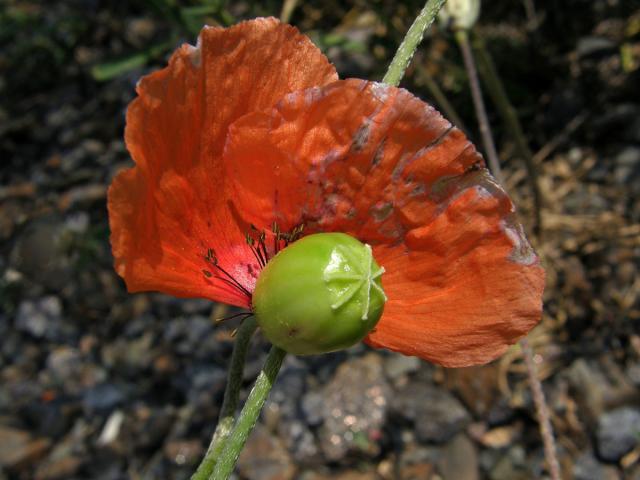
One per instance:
(462,38)
(249,415)
(231,399)
(412,39)
(546,430)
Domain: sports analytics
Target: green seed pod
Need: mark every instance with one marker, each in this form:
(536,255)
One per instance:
(320,294)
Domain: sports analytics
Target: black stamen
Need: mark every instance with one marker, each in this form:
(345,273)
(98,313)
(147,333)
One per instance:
(231,317)
(263,258)
(251,242)
(258,246)
(276,237)
(261,243)
(256,253)
(212,259)
(235,285)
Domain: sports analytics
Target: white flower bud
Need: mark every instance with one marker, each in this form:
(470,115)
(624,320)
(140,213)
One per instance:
(460,14)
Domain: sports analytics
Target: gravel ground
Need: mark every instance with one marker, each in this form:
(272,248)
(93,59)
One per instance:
(99,384)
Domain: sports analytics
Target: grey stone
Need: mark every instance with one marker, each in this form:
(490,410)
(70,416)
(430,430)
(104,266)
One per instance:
(64,362)
(618,433)
(587,467)
(265,458)
(288,389)
(312,404)
(397,365)
(40,318)
(511,466)
(460,459)
(103,398)
(627,168)
(354,409)
(437,415)
(300,441)
(633,372)
(190,335)
(417,463)
(42,253)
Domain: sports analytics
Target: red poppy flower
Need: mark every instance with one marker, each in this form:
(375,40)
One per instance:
(252,127)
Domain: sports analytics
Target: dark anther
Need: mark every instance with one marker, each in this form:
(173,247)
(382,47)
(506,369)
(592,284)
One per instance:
(263,246)
(276,237)
(257,241)
(211,257)
(260,256)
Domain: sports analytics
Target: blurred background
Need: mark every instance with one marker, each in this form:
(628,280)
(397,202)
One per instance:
(99,384)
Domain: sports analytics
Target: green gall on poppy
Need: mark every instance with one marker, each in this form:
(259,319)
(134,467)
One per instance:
(320,294)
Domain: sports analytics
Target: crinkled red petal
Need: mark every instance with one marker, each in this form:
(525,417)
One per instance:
(170,210)
(376,162)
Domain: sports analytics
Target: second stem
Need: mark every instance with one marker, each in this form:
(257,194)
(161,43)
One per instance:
(249,415)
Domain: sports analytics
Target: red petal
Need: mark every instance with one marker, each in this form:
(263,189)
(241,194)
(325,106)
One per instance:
(466,285)
(378,163)
(172,207)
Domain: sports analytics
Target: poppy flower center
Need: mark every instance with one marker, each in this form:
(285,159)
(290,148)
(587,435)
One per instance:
(257,242)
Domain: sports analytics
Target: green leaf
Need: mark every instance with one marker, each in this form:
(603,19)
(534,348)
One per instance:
(108,70)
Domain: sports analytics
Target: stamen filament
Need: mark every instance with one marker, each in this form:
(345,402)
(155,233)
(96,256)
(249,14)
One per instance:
(231,317)
(230,280)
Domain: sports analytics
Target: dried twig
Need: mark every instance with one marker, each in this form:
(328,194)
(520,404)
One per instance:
(462,37)
(492,157)
(560,138)
(546,429)
(497,92)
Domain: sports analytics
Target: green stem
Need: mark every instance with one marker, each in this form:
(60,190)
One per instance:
(287,10)
(249,415)
(231,399)
(412,39)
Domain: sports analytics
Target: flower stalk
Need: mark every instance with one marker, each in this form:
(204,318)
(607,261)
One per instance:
(412,39)
(249,415)
(231,399)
